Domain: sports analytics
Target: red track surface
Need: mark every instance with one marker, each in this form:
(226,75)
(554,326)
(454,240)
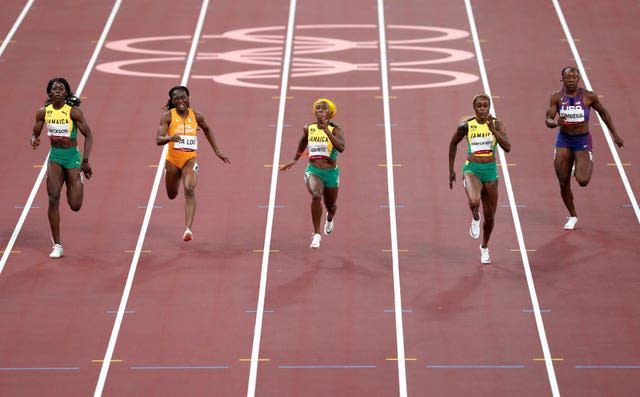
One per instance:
(192,304)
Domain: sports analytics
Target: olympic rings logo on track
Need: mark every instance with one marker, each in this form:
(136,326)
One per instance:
(305,64)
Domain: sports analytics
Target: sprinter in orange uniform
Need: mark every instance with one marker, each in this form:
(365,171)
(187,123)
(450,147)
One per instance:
(178,127)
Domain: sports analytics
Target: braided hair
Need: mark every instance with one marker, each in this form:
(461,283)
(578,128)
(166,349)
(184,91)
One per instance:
(70,99)
(170,104)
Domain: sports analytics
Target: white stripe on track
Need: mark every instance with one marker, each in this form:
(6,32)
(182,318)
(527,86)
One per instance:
(384,74)
(145,223)
(257,331)
(605,131)
(15,26)
(43,170)
(516,218)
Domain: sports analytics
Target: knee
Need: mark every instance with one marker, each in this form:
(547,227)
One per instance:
(75,207)
(172,194)
(564,183)
(474,203)
(315,196)
(582,182)
(190,192)
(54,200)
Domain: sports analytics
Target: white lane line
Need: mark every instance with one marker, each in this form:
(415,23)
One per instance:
(145,223)
(516,219)
(43,169)
(384,74)
(605,131)
(257,331)
(15,26)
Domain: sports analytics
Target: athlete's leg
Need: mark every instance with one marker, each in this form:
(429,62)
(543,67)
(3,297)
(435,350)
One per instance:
(473,188)
(489,206)
(55,179)
(330,199)
(75,188)
(189,181)
(584,166)
(316,188)
(563,161)
(172,179)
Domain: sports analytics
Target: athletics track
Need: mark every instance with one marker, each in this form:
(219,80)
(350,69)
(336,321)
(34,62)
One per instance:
(395,302)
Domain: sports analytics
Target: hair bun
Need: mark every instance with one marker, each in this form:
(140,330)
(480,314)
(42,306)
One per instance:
(73,100)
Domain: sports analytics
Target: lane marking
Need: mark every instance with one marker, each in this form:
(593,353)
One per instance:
(260,359)
(261,250)
(26,369)
(43,170)
(257,330)
(553,359)
(393,228)
(585,79)
(8,38)
(553,383)
(101,361)
(174,367)
(147,215)
(396,359)
(476,366)
(608,366)
(328,366)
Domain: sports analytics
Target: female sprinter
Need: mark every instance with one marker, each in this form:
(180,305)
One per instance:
(178,127)
(573,148)
(480,176)
(63,119)
(322,176)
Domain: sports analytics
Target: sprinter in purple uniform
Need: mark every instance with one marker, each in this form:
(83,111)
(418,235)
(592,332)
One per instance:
(573,150)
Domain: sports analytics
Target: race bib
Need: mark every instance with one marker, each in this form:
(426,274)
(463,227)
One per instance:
(572,114)
(187,143)
(318,150)
(58,131)
(482,145)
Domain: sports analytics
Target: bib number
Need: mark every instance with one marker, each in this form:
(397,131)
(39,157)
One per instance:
(187,143)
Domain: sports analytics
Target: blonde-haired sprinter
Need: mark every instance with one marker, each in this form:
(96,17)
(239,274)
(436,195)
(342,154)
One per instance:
(324,139)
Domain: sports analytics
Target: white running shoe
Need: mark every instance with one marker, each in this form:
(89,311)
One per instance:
(474,230)
(328,227)
(57,251)
(188,235)
(315,241)
(571,223)
(484,255)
